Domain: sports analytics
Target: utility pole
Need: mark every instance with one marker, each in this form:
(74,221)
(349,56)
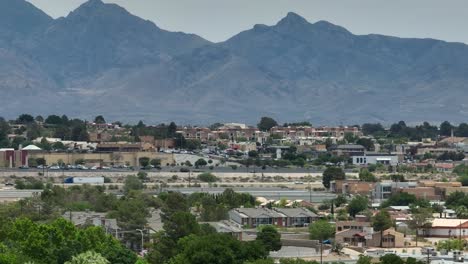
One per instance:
(189,174)
(321,251)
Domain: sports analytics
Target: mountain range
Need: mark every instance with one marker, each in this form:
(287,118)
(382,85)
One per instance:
(100,59)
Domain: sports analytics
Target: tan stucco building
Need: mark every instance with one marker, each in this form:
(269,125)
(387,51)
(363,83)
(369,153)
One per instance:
(104,159)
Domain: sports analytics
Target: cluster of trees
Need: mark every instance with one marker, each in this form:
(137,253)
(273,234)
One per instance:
(328,158)
(405,199)
(75,129)
(207,177)
(34,230)
(388,259)
(462,172)
(23,241)
(459,202)
(215,207)
(451,155)
(183,240)
(53,126)
(426,130)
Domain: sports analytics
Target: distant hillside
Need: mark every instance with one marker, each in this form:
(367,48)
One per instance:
(102,59)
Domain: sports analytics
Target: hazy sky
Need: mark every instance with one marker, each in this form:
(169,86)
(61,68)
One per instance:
(217,20)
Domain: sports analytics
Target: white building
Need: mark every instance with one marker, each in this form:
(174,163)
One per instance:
(443,227)
(376,158)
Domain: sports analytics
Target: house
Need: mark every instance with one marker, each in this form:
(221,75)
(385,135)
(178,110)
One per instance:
(348,150)
(367,237)
(444,167)
(348,187)
(297,216)
(446,228)
(226,227)
(253,217)
(281,217)
(375,158)
(383,190)
(360,224)
(390,239)
(83,219)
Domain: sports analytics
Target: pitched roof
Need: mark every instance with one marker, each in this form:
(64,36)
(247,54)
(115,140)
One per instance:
(294,212)
(32,147)
(444,222)
(256,212)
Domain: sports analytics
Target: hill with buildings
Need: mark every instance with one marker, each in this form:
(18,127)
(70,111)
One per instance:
(102,59)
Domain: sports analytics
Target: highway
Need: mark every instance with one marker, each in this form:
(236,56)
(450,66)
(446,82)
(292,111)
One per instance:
(13,195)
(269,193)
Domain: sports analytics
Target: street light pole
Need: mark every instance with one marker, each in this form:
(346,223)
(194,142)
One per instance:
(141,232)
(321,252)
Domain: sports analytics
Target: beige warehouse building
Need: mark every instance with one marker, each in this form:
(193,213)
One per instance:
(104,159)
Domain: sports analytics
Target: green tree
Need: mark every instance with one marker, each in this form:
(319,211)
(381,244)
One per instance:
(207,177)
(144,161)
(79,132)
(181,224)
(462,212)
(400,199)
(45,145)
(391,259)
(372,129)
(217,249)
(357,204)
(192,144)
(200,162)
(266,123)
(53,120)
(446,129)
(270,238)
(321,230)
(39,119)
(253,154)
(88,257)
(367,176)
(364,260)
(33,131)
(420,219)
(25,119)
(99,119)
(58,146)
(350,138)
(58,241)
(340,200)
(132,183)
(451,244)
(366,142)
(381,222)
(332,173)
(155,162)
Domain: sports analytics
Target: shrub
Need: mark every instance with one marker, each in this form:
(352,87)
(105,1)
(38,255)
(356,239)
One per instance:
(207,177)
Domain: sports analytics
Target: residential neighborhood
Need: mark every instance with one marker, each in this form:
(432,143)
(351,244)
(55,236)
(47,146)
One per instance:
(378,190)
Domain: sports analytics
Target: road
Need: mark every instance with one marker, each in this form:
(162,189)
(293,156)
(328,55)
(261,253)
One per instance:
(7,195)
(177,168)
